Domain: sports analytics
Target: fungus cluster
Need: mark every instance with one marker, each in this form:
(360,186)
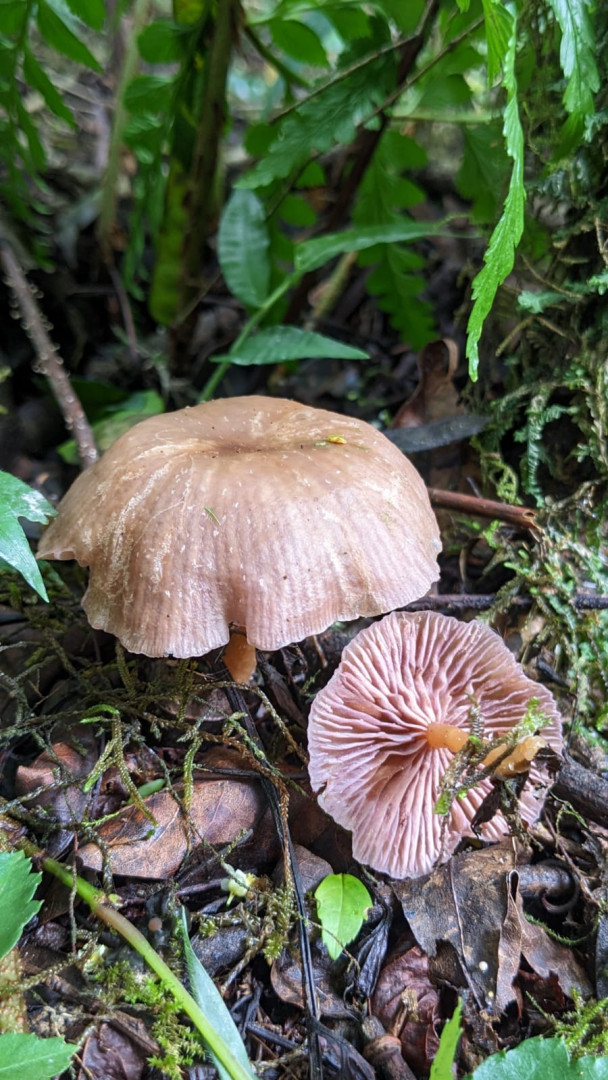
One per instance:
(255,513)
(385,729)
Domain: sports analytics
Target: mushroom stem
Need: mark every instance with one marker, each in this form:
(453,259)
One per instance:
(240,657)
(446,737)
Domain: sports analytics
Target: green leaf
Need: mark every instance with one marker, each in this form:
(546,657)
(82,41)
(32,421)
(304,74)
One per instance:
(116,420)
(484,171)
(57,33)
(342,904)
(92,12)
(242,247)
(298,40)
(406,16)
(328,118)
(398,291)
(37,1059)
(18,500)
(149,93)
(500,255)
(383,195)
(36,149)
(18,883)
(314,253)
(161,42)
(577,54)
(536,302)
(281,343)
(498,24)
(37,77)
(441,1069)
(211,1002)
(541,1059)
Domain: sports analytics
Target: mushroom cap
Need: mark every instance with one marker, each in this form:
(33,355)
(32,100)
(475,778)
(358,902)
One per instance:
(369,752)
(252,511)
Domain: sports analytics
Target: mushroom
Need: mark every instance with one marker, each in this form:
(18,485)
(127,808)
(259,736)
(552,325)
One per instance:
(255,513)
(385,729)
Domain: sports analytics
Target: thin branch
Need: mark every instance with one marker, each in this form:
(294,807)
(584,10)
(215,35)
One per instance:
(105,224)
(484,601)
(290,77)
(49,362)
(522,516)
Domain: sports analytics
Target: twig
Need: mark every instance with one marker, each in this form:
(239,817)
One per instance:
(522,516)
(484,601)
(105,224)
(127,314)
(49,362)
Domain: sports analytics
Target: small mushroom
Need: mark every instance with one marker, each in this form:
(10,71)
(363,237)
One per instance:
(385,729)
(255,513)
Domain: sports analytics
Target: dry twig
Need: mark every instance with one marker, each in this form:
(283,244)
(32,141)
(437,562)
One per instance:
(50,363)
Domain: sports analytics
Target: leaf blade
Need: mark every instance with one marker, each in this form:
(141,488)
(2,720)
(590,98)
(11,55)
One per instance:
(342,903)
(314,253)
(18,883)
(281,343)
(242,245)
(18,500)
(60,36)
(23,1055)
(500,254)
(210,1000)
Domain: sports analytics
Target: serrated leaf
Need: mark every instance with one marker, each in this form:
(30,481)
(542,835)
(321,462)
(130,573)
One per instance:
(59,35)
(442,1066)
(536,302)
(18,883)
(484,170)
(342,904)
(540,1059)
(92,12)
(500,255)
(299,41)
(242,248)
(36,76)
(161,42)
(314,253)
(211,1002)
(577,54)
(281,343)
(18,500)
(398,291)
(498,25)
(27,1056)
(320,122)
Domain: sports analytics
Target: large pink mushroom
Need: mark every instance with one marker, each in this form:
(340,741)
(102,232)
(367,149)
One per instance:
(385,729)
(253,512)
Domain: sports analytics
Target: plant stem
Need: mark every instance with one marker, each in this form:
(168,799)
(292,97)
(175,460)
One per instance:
(50,363)
(215,379)
(107,212)
(97,901)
